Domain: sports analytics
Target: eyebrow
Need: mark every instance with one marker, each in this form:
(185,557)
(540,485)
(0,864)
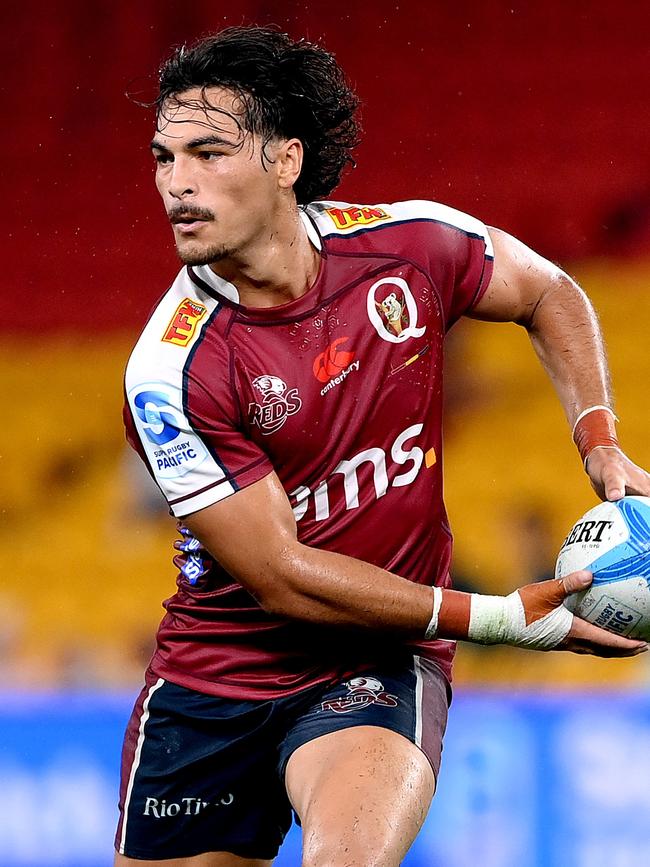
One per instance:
(194,143)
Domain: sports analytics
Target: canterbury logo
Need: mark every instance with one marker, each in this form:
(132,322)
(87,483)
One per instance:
(331,362)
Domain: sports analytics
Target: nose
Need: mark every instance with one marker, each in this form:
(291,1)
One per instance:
(181,181)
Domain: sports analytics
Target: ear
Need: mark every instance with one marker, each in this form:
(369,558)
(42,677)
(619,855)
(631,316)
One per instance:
(288,162)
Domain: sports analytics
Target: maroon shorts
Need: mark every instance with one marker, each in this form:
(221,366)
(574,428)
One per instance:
(206,774)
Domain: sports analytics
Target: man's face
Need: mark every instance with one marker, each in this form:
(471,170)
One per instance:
(218,193)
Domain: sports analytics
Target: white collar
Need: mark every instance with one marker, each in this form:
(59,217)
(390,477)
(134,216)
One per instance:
(227,289)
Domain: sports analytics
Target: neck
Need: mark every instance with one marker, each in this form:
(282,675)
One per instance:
(277,267)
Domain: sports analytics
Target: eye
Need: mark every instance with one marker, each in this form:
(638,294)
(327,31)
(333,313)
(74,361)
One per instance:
(208,155)
(163,158)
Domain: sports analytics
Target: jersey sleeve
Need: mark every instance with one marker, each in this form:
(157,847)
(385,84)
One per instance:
(454,248)
(460,259)
(189,438)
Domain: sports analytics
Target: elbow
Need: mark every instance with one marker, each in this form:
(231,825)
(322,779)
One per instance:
(277,589)
(558,296)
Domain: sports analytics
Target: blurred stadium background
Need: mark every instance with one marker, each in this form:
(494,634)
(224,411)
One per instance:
(534,117)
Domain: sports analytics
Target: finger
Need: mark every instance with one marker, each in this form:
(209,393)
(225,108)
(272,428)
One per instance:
(576,581)
(584,637)
(541,598)
(585,647)
(614,482)
(638,482)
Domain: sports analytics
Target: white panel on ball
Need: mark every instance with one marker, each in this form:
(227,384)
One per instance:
(612,540)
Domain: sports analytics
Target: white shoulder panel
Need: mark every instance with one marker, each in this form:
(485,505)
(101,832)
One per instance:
(186,472)
(342,218)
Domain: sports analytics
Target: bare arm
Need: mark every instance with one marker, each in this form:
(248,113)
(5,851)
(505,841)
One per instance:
(564,331)
(253,535)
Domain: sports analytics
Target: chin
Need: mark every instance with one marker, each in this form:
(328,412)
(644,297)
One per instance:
(200,255)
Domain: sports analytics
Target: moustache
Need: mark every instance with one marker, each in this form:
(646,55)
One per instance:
(183,214)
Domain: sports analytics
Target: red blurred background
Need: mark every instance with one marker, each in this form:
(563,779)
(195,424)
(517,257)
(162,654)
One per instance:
(533,116)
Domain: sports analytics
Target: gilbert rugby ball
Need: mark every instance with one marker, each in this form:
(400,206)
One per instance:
(612,540)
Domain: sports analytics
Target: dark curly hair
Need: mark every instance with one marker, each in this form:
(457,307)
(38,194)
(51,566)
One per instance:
(286,89)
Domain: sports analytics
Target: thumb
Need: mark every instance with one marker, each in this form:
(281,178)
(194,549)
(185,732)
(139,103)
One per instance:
(576,581)
(540,599)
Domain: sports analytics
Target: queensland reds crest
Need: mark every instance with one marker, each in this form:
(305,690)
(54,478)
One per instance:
(393,311)
(362,692)
(276,406)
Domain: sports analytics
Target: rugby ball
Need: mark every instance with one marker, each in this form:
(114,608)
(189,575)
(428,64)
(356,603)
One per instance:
(612,540)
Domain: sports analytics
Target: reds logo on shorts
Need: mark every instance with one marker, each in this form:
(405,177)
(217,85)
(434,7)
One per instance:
(362,692)
(277,405)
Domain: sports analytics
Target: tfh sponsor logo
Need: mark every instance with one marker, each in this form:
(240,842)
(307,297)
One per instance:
(182,326)
(362,692)
(334,365)
(354,216)
(411,459)
(278,403)
(161,808)
(392,310)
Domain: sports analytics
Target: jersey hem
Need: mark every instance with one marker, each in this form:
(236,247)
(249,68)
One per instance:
(238,692)
(233,691)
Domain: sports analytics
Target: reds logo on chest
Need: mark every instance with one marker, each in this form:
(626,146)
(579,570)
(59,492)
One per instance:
(277,403)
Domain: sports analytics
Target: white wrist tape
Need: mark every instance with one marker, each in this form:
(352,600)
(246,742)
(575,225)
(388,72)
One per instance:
(502,620)
(432,628)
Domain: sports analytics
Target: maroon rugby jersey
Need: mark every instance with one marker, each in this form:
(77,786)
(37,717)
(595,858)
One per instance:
(340,393)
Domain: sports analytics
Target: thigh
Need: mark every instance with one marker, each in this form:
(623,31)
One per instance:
(361,794)
(209,859)
(199,778)
(363,764)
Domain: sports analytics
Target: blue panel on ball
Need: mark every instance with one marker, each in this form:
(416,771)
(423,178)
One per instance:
(637,518)
(632,557)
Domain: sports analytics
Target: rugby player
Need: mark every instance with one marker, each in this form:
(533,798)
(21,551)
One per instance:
(286,396)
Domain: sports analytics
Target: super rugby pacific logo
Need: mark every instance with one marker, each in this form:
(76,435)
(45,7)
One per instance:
(393,311)
(172,447)
(159,420)
(362,692)
(277,404)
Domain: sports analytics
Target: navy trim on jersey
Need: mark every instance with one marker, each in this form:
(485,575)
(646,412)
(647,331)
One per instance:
(230,478)
(394,222)
(186,408)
